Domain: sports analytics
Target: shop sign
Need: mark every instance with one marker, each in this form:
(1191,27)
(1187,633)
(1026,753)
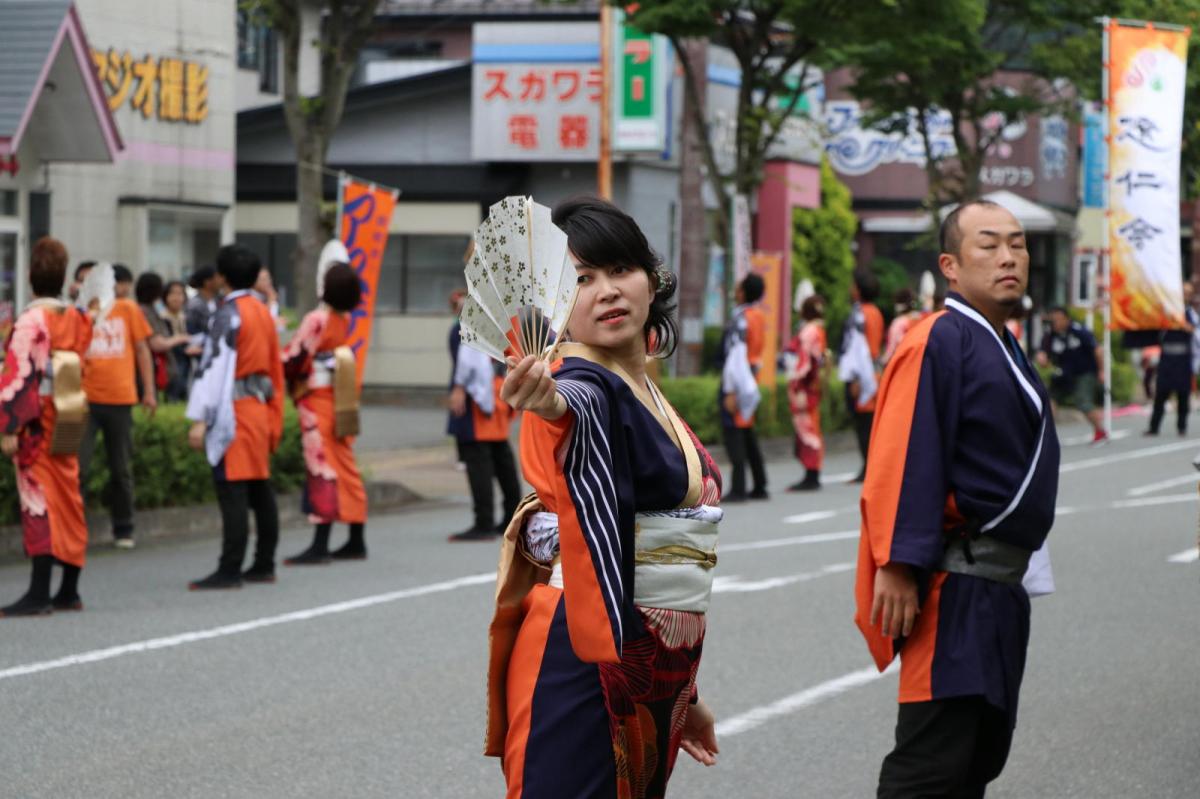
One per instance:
(164,88)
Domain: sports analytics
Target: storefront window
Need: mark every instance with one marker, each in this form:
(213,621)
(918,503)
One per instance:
(8,283)
(419,272)
(180,241)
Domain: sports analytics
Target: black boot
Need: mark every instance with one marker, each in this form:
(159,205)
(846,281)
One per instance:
(216,581)
(259,573)
(67,597)
(811,481)
(36,601)
(318,552)
(355,547)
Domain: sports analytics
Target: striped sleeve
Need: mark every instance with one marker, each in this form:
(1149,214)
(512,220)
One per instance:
(590,540)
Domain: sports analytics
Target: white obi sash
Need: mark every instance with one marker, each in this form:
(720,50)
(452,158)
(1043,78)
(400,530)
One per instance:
(673,564)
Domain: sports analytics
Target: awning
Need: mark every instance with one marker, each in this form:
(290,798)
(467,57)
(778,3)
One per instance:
(1035,218)
(51,95)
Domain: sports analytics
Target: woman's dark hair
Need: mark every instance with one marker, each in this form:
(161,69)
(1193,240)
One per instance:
(174,284)
(903,297)
(47,267)
(121,273)
(82,269)
(866,283)
(149,288)
(342,291)
(752,286)
(812,308)
(602,235)
(238,265)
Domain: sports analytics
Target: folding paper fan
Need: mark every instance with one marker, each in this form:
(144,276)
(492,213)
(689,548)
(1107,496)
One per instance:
(98,288)
(520,282)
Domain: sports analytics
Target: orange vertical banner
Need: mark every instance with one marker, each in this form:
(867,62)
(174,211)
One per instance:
(366,214)
(769,266)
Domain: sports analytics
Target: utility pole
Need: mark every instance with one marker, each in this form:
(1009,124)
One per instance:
(693,227)
(604,164)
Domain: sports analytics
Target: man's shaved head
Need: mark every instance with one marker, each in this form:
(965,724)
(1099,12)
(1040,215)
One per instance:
(950,235)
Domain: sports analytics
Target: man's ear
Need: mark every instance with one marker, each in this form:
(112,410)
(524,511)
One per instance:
(948,264)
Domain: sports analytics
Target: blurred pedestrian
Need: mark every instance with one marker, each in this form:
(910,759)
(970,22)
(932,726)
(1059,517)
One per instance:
(118,366)
(1175,375)
(81,273)
(203,304)
(265,287)
(321,373)
(959,499)
(908,313)
(236,410)
(862,344)
(456,425)
(41,399)
(485,421)
(174,302)
(804,392)
(742,353)
(162,342)
(1070,348)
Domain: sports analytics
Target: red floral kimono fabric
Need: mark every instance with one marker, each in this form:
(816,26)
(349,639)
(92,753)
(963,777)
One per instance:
(51,506)
(333,490)
(597,688)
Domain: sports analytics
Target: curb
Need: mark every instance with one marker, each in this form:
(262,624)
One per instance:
(202,521)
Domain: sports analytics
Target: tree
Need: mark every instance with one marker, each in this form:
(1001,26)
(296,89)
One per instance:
(921,60)
(311,120)
(770,40)
(821,248)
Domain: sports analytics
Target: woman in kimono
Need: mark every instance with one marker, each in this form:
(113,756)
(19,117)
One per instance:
(606,574)
(804,392)
(333,490)
(35,402)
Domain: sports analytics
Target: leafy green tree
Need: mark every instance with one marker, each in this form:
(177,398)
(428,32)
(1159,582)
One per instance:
(770,40)
(343,27)
(916,58)
(821,247)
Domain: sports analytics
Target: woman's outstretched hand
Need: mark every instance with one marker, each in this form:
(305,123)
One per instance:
(699,734)
(528,386)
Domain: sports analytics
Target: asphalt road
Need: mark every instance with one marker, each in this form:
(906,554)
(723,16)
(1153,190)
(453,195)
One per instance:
(367,679)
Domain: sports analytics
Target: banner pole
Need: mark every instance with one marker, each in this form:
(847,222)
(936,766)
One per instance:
(1106,250)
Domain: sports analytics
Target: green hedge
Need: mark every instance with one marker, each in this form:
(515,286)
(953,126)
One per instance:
(166,472)
(695,398)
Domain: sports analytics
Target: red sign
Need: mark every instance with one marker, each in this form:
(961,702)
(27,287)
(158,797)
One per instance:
(366,216)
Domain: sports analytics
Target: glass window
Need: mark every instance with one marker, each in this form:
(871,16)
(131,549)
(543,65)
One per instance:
(8,284)
(433,267)
(391,273)
(8,203)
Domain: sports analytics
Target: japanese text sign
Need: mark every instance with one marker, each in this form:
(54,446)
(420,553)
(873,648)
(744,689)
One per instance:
(1147,72)
(641,73)
(535,112)
(366,215)
(168,89)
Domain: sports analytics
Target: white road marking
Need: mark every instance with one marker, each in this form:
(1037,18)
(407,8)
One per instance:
(166,642)
(734,584)
(1121,457)
(1150,488)
(1169,499)
(814,516)
(772,543)
(756,717)
(841,477)
(1187,556)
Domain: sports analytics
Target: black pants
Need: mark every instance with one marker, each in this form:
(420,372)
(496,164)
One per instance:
(116,421)
(741,444)
(1183,400)
(487,461)
(946,748)
(237,498)
(862,427)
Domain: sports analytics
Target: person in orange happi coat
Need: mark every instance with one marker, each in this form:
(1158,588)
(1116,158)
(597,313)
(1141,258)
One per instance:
(236,409)
(48,335)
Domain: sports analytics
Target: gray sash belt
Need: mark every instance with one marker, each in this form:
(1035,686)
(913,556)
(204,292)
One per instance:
(993,560)
(258,386)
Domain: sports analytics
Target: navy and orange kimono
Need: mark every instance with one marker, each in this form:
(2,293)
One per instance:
(51,506)
(963,446)
(588,691)
(238,391)
(333,488)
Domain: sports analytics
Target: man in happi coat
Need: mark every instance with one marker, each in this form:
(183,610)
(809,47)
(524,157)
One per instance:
(236,409)
(959,497)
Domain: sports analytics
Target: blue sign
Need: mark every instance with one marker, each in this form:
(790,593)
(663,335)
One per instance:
(1095,158)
